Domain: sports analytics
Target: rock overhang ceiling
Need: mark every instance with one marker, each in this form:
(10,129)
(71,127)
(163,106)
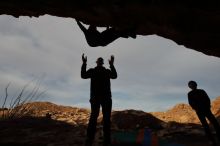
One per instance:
(192,23)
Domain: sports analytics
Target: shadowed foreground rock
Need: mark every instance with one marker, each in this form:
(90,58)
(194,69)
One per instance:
(192,23)
(66,126)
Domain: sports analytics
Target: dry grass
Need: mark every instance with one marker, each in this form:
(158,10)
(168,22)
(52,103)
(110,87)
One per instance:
(16,107)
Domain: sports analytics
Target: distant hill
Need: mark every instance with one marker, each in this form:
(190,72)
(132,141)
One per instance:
(181,113)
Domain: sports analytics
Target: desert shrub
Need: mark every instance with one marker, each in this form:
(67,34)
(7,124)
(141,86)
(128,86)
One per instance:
(16,107)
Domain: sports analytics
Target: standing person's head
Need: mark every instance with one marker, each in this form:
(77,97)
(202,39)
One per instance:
(100,61)
(192,85)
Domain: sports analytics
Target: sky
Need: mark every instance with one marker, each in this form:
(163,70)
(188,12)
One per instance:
(153,72)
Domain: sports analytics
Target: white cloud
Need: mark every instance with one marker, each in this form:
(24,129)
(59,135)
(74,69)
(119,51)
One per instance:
(153,71)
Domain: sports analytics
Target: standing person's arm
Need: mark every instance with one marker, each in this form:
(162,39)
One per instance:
(113,73)
(206,101)
(192,102)
(85,74)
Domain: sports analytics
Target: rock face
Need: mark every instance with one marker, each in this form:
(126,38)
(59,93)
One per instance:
(194,24)
(181,113)
(216,106)
(71,115)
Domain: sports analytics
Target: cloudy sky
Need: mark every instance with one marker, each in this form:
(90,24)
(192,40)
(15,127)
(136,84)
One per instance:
(152,71)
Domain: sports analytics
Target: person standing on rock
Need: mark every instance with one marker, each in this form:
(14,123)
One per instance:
(200,102)
(100,96)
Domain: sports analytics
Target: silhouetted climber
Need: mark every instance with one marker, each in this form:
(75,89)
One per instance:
(200,102)
(100,95)
(95,38)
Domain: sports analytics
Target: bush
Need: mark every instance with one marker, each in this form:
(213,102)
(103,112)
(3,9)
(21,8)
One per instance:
(17,106)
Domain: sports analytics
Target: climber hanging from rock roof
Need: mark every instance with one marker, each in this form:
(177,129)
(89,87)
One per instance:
(95,38)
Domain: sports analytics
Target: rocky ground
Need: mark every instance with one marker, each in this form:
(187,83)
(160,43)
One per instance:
(54,125)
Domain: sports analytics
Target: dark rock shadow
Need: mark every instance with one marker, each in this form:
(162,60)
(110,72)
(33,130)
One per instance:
(132,119)
(35,131)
